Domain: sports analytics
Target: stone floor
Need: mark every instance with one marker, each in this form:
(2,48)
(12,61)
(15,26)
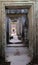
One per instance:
(17,55)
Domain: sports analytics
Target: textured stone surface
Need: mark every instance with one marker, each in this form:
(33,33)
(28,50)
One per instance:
(17,55)
(0,23)
(17,0)
(36,16)
(0,30)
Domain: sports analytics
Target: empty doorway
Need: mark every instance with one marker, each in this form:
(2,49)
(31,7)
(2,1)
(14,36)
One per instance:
(17,24)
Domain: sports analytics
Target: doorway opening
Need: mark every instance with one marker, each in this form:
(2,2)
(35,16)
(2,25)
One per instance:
(19,21)
(17,25)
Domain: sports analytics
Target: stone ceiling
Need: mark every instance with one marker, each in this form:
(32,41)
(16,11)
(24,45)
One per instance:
(18,0)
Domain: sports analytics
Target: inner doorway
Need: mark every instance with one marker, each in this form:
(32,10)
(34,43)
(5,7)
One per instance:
(17,25)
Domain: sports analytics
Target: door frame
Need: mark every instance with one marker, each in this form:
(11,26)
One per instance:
(31,33)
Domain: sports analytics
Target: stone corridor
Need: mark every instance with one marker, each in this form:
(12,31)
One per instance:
(16,52)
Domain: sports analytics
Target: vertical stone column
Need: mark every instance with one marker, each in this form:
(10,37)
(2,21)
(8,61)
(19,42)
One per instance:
(3,29)
(0,31)
(36,19)
(30,14)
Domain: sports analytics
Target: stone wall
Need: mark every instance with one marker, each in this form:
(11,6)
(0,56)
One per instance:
(0,29)
(17,0)
(36,19)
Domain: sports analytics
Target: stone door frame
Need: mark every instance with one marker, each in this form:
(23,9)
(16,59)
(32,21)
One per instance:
(31,34)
